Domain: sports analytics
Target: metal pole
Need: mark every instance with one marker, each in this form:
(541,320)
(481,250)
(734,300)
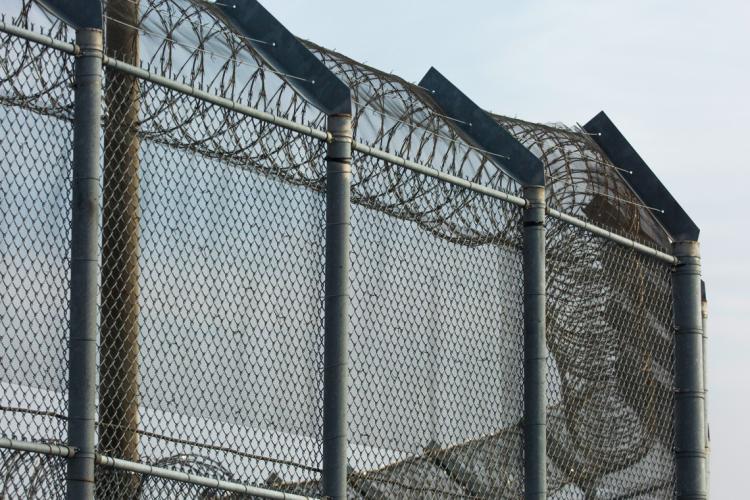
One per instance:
(707,435)
(336,348)
(535,345)
(689,417)
(84,264)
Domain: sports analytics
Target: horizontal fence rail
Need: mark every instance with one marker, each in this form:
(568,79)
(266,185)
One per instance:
(184,477)
(150,470)
(587,226)
(44,448)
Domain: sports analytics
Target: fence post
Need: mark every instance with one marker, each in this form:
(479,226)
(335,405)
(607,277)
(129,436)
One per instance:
(689,417)
(336,342)
(535,345)
(84,265)
(707,436)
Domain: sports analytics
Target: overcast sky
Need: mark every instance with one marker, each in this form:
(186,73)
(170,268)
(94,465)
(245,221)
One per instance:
(674,76)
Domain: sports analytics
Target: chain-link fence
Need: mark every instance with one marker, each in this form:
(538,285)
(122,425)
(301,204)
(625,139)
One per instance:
(611,343)
(211,310)
(35,193)
(436,345)
(212,291)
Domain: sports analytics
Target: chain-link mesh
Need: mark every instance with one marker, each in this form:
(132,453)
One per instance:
(211,320)
(611,345)
(31,475)
(35,180)
(436,343)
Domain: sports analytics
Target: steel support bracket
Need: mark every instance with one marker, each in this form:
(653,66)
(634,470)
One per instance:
(478,127)
(80,14)
(644,183)
(287,55)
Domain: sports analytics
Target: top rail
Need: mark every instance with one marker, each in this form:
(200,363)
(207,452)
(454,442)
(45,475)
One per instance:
(33,36)
(55,450)
(217,100)
(437,174)
(622,240)
(327,137)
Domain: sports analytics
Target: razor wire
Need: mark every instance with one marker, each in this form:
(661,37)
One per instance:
(211,287)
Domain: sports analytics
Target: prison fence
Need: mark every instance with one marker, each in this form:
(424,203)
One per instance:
(217,248)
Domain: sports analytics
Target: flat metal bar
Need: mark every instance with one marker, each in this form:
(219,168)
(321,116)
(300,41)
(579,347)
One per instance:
(476,125)
(33,36)
(76,13)
(287,55)
(622,240)
(57,450)
(185,477)
(644,183)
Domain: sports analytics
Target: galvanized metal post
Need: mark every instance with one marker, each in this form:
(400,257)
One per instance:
(707,434)
(689,416)
(535,345)
(84,264)
(336,344)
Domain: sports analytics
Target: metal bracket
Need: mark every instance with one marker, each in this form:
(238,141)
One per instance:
(480,129)
(79,14)
(644,183)
(282,51)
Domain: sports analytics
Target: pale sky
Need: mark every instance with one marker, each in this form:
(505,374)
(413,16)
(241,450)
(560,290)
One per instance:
(674,76)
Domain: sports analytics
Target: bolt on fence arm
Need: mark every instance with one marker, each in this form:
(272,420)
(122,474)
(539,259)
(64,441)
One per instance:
(689,416)
(336,341)
(535,345)
(84,264)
